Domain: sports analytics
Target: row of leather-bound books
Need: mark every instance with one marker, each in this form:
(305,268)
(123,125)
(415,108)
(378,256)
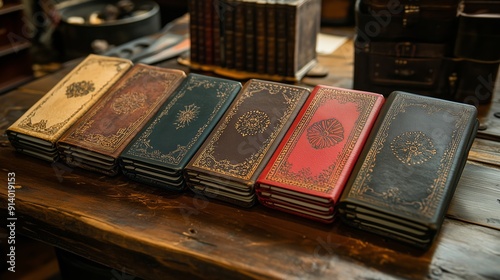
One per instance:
(388,165)
(276,38)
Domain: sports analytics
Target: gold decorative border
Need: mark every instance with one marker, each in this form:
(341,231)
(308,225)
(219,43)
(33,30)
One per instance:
(325,181)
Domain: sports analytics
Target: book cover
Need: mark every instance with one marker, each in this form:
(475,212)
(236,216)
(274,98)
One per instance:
(161,150)
(409,168)
(97,139)
(37,131)
(202,46)
(230,160)
(310,168)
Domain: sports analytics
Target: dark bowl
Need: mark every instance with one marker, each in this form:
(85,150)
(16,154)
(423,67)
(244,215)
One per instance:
(76,38)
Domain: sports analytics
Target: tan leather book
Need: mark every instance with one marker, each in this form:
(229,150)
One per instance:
(37,131)
(96,140)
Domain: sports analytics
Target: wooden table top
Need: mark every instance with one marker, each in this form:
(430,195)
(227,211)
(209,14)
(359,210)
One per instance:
(155,234)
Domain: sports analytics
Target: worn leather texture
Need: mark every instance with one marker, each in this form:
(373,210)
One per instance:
(410,166)
(320,149)
(66,102)
(36,132)
(114,120)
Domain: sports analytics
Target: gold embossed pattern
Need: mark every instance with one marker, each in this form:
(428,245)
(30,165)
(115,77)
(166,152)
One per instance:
(413,147)
(252,122)
(78,89)
(129,102)
(186,115)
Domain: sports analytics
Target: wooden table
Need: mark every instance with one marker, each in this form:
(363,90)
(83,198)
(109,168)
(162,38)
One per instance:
(155,234)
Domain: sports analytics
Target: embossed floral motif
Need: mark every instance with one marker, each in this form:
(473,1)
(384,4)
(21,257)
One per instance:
(252,122)
(325,133)
(78,89)
(187,115)
(128,103)
(413,148)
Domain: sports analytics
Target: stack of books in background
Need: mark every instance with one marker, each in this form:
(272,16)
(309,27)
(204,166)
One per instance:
(446,49)
(273,40)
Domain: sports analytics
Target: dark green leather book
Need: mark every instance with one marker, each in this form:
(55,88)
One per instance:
(161,150)
(407,172)
(229,162)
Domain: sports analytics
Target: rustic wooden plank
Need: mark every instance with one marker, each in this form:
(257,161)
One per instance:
(477,197)
(485,151)
(155,233)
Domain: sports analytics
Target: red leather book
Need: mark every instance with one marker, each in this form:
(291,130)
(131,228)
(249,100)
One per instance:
(308,171)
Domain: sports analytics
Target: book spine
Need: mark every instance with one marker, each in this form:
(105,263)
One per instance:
(208,24)
(228,12)
(281,34)
(193,30)
(260,33)
(250,36)
(291,40)
(217,37)
(271,37)
(201,31)
(239,35)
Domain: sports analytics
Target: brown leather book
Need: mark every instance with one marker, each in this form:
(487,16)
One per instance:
(230,160)
(407,172)
(96,140)
(37,131)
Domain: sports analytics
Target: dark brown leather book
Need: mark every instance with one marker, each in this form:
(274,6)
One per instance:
(96,140)
(229,162)
(407,172)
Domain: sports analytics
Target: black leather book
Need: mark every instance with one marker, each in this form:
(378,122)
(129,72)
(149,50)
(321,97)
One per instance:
(161,150)
(407,172)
